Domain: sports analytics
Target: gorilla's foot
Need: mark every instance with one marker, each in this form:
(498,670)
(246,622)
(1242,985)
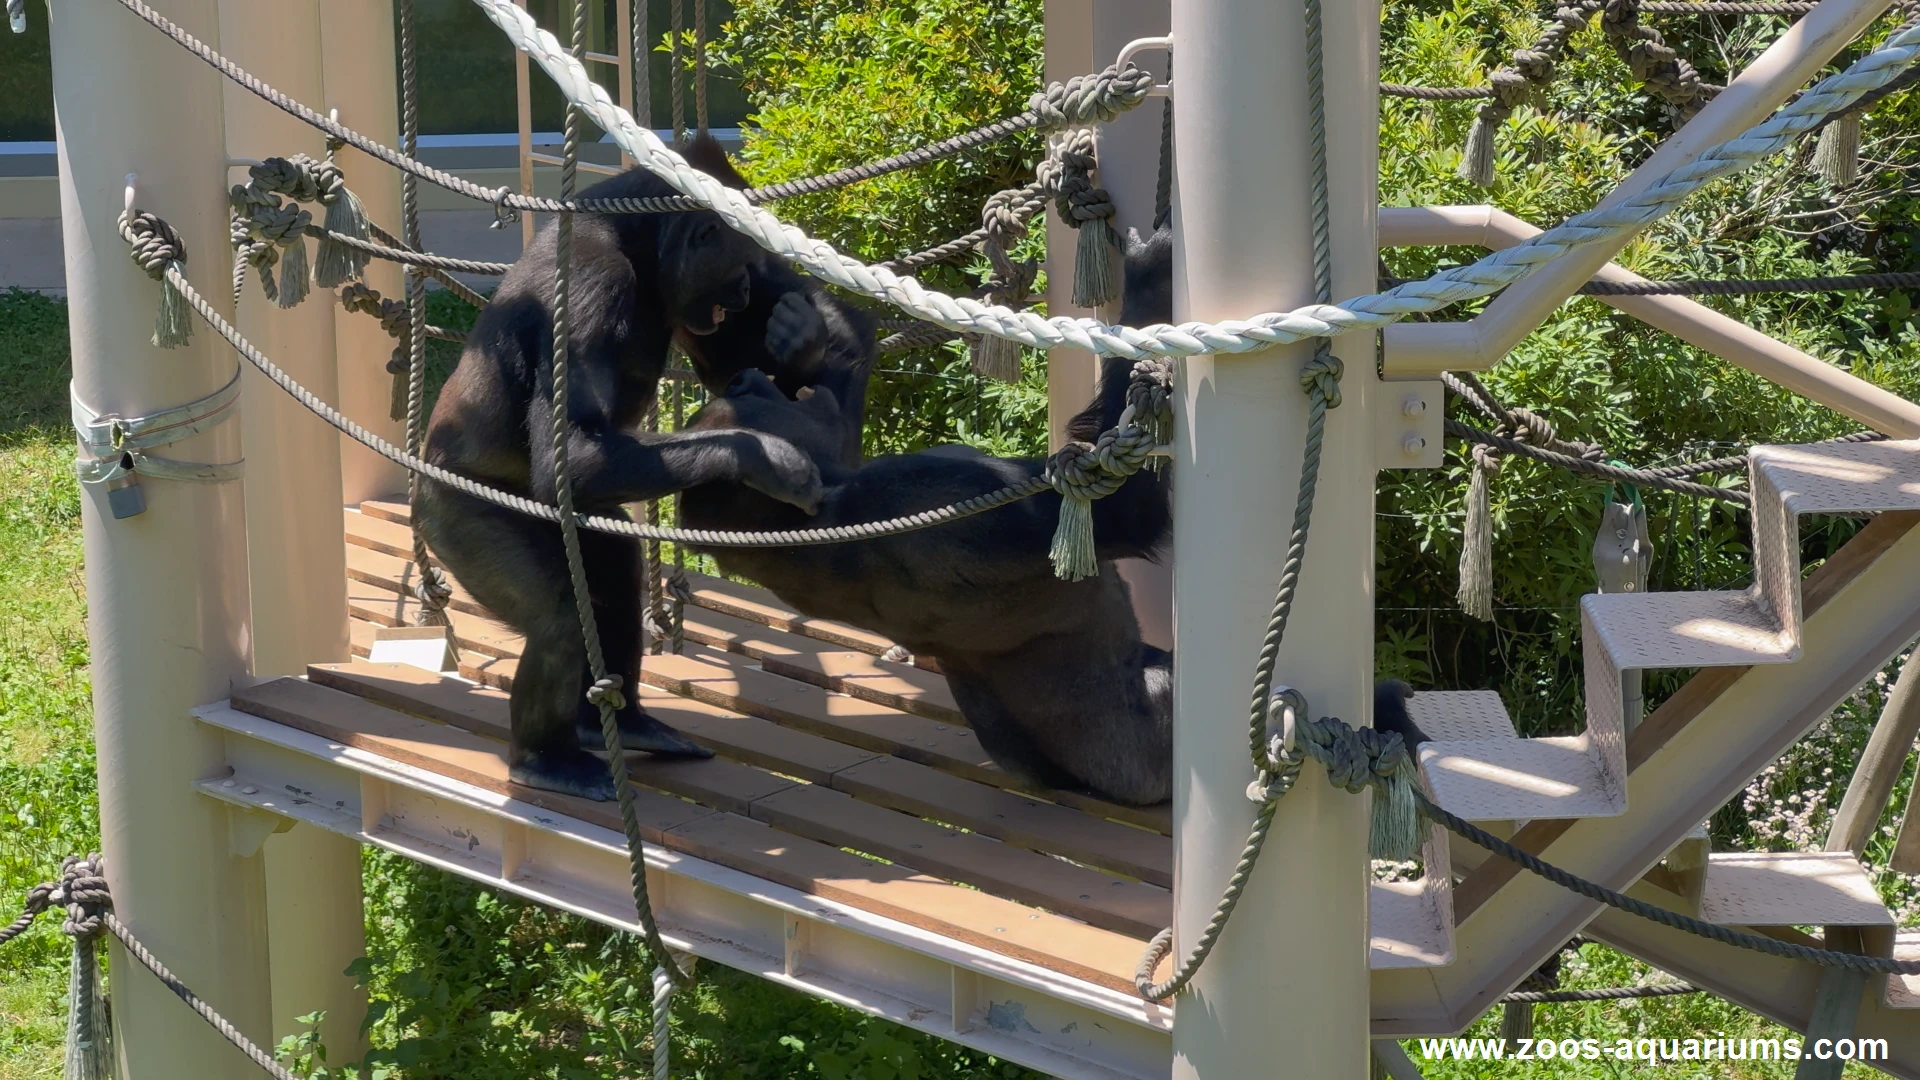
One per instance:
(569,772)
(639,731)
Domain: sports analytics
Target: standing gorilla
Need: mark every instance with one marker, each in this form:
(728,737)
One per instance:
(640,281)
(1051,675)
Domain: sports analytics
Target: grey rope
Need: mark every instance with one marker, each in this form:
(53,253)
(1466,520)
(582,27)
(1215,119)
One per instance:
(452,283)
(1163,177)
(1023,202)
(1081,100)
(1437,93)
(1653,912)
(1715,7)
(1321,381)
(700,65)
(1653,61)
(918,337)
(432,590)
(214,1020)
(425,260)
(642,28)
(366,300)
(606,692)
(1608,993)
(679,80)
(662,1022)
(837,534)
(1642,477)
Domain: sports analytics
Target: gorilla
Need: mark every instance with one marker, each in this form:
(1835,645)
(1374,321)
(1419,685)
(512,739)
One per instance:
(640,282)
(1051,675)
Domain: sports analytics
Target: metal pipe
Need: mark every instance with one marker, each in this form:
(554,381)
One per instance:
(1291,967)
(1421,350)
(167,589)
(1689,320)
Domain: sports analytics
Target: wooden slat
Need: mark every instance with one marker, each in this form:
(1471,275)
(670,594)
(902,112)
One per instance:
(719,783)
(857,674)
(364,564)
(978,918)
(1013,818)
(458,755)
(990,922)
(379,604)
(360,636)
(832,817)
(383,525)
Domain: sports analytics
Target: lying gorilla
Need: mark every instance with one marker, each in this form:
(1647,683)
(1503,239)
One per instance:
(640,281)
(1051,675)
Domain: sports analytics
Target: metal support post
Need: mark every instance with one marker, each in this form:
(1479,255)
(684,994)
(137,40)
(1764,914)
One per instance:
(166,589)
(1286,991)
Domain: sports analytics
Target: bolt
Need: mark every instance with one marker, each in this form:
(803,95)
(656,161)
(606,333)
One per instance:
(1413,445)
(1415,405)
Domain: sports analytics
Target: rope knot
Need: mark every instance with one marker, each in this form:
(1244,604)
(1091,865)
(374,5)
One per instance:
(1093,98)
(1513,87)
(1067,177)
(1011,282)
(605,693)
(82,890)
(156,248)
(155,245)
(1321,378)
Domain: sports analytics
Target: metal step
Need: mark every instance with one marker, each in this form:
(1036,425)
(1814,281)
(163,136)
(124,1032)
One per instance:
(1478,768)
(1792,888)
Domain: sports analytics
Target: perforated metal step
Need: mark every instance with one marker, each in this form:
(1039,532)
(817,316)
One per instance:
(1477,767)
(1793,888)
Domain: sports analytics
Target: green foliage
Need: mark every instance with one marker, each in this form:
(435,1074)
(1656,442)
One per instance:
(26,81)
(837,82)
(47,803)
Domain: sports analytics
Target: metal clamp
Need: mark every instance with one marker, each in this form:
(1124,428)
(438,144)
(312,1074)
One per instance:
(113,448)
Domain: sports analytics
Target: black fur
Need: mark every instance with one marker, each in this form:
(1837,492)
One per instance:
(1051,675)
(638,282)
(1390,698)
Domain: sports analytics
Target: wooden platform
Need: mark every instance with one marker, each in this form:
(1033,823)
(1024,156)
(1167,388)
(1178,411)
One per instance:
(838,774)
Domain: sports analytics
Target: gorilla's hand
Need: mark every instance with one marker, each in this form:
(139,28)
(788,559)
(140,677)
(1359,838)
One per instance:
(776,468)
(796,333)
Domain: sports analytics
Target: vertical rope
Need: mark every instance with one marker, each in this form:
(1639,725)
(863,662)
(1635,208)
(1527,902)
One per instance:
(678,81)
(1163,183)
(432,591)
(662,1022)
(678,589)
(700,65)
(1321,380)
(605,693)
(642,63)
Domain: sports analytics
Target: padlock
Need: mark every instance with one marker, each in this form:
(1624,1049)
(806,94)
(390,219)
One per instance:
(125,498)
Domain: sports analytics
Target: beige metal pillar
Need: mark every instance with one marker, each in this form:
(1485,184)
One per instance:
(1286,991)
(167,589)
(296,559)
(1070,371)
(357,61)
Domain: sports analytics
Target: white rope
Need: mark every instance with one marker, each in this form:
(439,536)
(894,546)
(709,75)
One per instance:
(1372,312)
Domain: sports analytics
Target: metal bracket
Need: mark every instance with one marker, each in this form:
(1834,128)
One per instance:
(1140,45)
(1407,424)
(113,448)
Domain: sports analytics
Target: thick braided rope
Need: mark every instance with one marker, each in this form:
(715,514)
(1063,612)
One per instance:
(363,299)
(38,898)
(662,1022)
(1740,286)
(1652,61)
(698,537)
(1083,99)
(1437,93)
(1489,275)
(1673,920)
(1608,993)
(1718,7)
(214,1020)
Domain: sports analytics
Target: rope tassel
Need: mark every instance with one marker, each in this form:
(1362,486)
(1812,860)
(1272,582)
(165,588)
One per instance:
(1837,156)
(83,892)
(1395,832)
(1476,162)
(1093,264)
(155,248)
(1476,540)
(1072,551)
(336,263)
(295,274)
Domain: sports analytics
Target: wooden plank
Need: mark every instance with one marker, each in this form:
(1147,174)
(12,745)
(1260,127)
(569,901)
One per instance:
(990,922)
(978,918)
(379,604)
(1016,819)
(387,571)
(376,528)
(719,783)
(857,674)
(831,817)
(458,755)
(734,683)
(360,634)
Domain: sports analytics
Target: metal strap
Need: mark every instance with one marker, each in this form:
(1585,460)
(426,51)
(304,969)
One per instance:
(113,446)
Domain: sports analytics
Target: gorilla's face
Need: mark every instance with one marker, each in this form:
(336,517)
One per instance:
(705,270)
